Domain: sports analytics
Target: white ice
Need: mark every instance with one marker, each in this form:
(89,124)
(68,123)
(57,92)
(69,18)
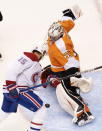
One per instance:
(25,25)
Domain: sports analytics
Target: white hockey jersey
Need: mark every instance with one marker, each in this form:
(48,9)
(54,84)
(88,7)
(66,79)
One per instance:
(24,71)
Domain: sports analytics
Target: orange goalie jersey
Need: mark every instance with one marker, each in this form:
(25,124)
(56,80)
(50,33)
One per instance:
(61,52)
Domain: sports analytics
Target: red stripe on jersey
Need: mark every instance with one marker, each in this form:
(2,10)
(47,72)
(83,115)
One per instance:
(8,82)
(38,124)
(32,99)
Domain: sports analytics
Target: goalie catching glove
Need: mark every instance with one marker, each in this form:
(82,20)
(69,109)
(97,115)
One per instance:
(83,83)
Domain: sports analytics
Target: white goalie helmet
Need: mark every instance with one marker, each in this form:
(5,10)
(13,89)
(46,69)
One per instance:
(55,31)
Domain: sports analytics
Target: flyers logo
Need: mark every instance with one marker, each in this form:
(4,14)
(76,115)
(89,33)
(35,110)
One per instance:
(66,55)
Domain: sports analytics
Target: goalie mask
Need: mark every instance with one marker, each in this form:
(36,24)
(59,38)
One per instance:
(55,31)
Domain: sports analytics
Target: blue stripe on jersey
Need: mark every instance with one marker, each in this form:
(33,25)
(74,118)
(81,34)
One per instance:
(34,129)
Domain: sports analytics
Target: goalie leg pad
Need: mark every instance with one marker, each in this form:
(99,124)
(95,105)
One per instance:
(69,102)
(63,101)
(81,113)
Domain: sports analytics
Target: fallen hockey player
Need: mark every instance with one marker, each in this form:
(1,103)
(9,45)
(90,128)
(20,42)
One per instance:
(22,74)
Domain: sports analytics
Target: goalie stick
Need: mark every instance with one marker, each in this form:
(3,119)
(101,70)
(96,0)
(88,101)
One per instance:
(76,74)
(82,72)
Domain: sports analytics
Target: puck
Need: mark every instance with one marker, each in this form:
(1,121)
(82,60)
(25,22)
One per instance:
(47,105)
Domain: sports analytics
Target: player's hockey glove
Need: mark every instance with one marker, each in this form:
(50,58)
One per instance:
(54,81)
(12,88)
(44,75)
(83,83)
(44,81)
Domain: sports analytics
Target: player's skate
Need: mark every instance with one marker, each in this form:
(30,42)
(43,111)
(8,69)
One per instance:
(83,119)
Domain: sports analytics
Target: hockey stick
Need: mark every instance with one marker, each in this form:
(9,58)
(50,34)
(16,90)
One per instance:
(76,74)
(90,70)
(31,88)
(82,72)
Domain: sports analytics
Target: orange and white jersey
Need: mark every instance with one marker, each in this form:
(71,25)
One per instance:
(61,52)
